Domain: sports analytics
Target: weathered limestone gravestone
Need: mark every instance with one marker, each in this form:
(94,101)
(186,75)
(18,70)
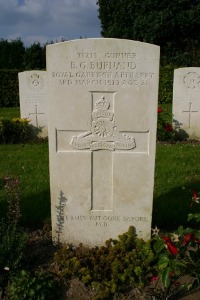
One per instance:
(33,98)
(102,136)
(186,100)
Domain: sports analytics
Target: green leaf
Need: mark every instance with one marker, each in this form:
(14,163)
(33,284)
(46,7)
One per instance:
(177,263)
(197,217)
(32,292)
(165,276)
(197,235)
(180,229)
(163,262)
(158,246)
(190,217)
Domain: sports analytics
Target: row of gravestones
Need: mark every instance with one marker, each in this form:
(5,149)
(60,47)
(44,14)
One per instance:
(101,96)
(33,89)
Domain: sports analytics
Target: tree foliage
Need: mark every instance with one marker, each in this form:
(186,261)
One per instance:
(9,88)
(14,55)
(14,58)
(34,57)
(173,25)
(11,54)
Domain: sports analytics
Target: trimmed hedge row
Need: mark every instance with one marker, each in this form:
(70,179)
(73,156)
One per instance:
(9,87)
(166,84)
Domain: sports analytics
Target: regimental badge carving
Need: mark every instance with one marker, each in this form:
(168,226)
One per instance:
(35,81)
(103,134)
(192,80)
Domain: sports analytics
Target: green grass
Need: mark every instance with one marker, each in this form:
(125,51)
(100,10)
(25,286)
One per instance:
(10,112)
(28,163)
(176,175)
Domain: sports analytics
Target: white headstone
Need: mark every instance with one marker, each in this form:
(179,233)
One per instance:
(186,101)
(33,98)
(102,137)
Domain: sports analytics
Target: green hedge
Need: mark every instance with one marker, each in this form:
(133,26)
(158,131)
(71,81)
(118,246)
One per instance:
(166,84)
(9,88)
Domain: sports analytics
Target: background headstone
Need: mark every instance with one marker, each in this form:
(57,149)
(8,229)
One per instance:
(186,101)
(102,137)
(33,98)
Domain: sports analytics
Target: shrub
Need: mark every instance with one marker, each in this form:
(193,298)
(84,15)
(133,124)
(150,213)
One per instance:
(9,88)
(12,243)
(166,84)
(16,131)
(165,131)
(12,239)
(37,286)
(108,269)
(177,254)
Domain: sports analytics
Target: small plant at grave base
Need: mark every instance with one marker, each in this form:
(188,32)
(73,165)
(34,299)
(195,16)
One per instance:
(60,215)
(38,286)
(16,131)
(165,131)
(110,269)
(177,254)
(12,240)
(12,187)
(195,200)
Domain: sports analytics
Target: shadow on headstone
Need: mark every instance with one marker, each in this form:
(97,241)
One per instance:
(35,133)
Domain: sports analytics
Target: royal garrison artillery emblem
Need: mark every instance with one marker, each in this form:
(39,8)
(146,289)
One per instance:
(103,134)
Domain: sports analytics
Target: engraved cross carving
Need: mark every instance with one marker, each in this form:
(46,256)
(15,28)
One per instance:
(189,111)
(103,142)
(36,113)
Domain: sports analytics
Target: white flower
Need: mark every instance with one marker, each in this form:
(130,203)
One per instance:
(155,230)
(6,269)
(175,237)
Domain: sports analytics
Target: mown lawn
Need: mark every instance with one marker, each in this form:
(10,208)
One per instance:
(29,163)
(10,112)
(176,175)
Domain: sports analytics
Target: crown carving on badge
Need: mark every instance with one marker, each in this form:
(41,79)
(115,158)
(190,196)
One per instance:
(102,104)
(35,76)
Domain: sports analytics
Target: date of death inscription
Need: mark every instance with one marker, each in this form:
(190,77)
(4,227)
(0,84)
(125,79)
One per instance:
(104,220)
